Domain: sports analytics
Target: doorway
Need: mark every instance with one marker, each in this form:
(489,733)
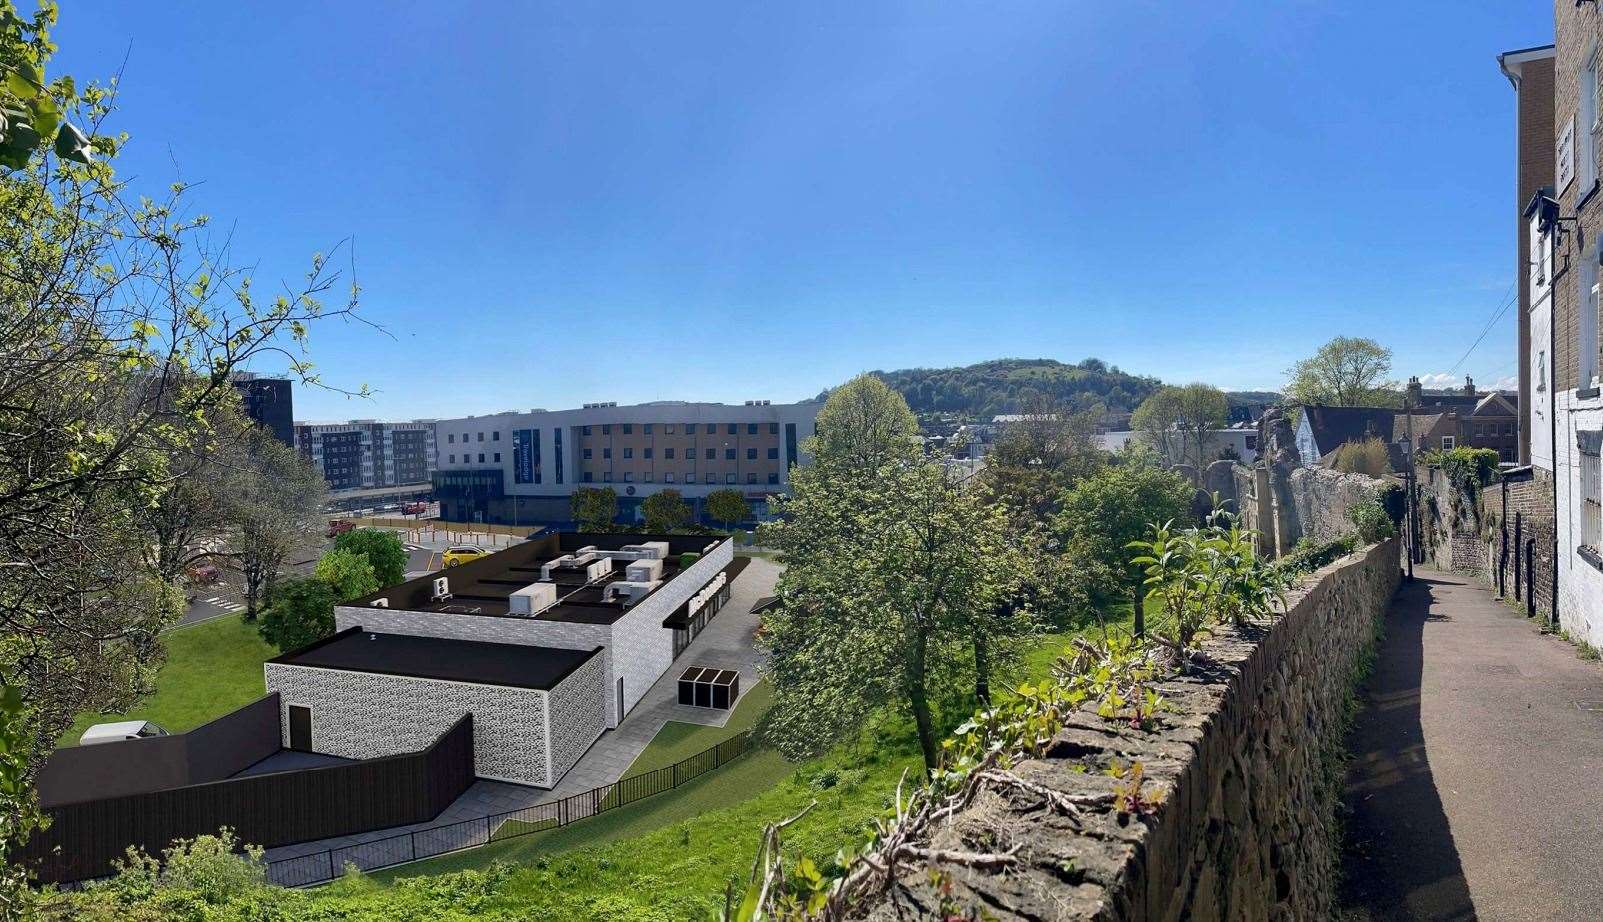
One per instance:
(300,728)
(620,699)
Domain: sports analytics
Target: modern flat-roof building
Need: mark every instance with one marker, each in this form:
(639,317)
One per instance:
(365,453)
(270,402)
(514,468)
(546,644)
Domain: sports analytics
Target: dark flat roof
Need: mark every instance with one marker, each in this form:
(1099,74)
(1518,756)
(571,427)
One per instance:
(515,665)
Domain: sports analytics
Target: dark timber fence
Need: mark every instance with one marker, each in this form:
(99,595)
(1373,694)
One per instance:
(323,866)
(269,809)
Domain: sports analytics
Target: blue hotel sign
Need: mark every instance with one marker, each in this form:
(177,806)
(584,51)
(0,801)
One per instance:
(525,455)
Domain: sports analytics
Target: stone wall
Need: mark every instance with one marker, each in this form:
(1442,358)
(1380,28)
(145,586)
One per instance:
(1323,498)
(1241,762)
(1503,535)
(1285,504)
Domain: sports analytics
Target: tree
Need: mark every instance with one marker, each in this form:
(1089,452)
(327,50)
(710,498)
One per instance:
(1158,419)
(666,511)
(728,507)
(190,521)
(120,328)
(894,567)
(277,505)
(349,575)
(1043,453)
(1104,513)
(864,425)
(383,551)
(593,509)
(1202,408)
(1348,371)
(299,612)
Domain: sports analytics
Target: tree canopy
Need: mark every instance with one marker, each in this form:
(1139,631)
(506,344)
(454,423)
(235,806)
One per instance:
(666,511)
(986,389)
(1348,371)
(594,509)
(348,573)
(383,550)
(299,612)
(728,506)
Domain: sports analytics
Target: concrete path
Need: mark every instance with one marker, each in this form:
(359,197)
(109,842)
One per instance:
(726,642)
(1476,787)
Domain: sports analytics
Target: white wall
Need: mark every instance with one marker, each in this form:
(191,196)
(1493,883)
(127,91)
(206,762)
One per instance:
(1540,365)
(1580,584)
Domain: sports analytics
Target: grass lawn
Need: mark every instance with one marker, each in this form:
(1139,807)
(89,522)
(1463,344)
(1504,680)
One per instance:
(212,668)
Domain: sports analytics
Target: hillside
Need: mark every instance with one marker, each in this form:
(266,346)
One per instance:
(1008,385)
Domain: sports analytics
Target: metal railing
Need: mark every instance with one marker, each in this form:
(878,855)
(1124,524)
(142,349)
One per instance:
(321,867)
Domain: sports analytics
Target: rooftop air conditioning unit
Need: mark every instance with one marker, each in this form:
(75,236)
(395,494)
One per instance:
(643,571)
(380,603)
(532,599)
(442,589)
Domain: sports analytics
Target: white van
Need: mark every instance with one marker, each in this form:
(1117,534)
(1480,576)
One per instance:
(121,730)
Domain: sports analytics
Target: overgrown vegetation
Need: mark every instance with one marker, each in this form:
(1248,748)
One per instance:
(1466,468)
(1372,521)
(1368,456)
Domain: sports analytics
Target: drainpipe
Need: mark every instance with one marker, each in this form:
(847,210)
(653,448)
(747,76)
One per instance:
(1552,414)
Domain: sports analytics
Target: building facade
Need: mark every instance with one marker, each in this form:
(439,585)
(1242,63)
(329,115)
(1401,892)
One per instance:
(270,402)
(365,453)
(522,468)
(1530,71)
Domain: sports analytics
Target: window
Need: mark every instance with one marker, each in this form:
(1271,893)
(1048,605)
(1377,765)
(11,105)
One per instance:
(606,429)
(773,428)
(628,477)
(773,478)
(588,477)
(497,457)
(450,437)
(666,453)
(751,454)
(668,429)
(1480,430)
(606,453)
(690,428)
(1508,428)
(1588,127)
(667,476)
(751,428)
(1541,372)
(648,452)
(481,436)
(773,454)
(587,452)
(646,428)
(729,478)
(1586,329)
(729,454)
(1447,443)
(732,429)
(584,430)
(453,459)
(711,454)
(751,478)
(607,477)
(628,451)
(628,428)
(1591,489)
(495,436)
(690,477)
(711,477)
(481,457)
(648,478)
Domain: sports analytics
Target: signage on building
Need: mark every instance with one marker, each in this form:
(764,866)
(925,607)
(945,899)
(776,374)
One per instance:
(1565,154)
(523,456)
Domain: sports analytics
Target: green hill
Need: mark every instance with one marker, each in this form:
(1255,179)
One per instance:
(1009,385)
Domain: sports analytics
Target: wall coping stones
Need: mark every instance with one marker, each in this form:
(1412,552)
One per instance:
(1241,758)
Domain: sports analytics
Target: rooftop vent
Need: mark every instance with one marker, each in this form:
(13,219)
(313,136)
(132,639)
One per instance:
(380,603)
(442,589)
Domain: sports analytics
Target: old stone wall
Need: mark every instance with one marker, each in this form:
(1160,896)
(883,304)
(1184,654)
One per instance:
(1502,534)
(1323,499)
(1285,504)
(1239,766)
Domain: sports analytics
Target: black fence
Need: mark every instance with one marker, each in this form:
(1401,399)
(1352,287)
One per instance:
(268,809)
(323,866)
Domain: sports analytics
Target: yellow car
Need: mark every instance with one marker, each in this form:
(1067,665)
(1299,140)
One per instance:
(462,554)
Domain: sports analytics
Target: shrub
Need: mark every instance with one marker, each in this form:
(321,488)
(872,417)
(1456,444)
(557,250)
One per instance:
(1309,556)
(1367,457)
(688,558)
(381,548)
(1465,467)
(1372,521)
(299,612)
(1394,499)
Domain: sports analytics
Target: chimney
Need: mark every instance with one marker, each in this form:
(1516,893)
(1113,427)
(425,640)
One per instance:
(1469,386)
(1416,392)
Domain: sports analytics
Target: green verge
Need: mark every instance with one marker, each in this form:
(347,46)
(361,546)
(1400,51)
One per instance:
(212,668)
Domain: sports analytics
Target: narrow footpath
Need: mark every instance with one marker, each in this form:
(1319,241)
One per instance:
(1476,786)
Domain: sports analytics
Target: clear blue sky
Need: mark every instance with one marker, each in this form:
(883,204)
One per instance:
(557,204)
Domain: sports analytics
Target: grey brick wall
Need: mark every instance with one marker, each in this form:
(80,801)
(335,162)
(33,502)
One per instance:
(360,715)
(578,714)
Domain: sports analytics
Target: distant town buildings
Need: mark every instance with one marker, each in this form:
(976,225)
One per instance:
(365,453)
(269,402)
(513,468)
(1434,421)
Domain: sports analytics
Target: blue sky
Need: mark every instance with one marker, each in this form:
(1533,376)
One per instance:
(553,204)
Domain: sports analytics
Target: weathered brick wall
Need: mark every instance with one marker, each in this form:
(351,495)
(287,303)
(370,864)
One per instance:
(1502,536)
(1242,760)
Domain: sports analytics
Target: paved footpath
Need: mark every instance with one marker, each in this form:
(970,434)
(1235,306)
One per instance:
(1476,787)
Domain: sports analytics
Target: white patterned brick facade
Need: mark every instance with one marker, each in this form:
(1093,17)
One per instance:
(578,715)
(360,715)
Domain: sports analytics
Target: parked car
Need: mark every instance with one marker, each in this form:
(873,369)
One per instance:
(462,553)
(337,527)
(414,508)
(120,730)
(203,574)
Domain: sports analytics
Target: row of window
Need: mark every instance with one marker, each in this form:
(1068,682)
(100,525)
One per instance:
(1490,429)
(451,437)
(468,459)
(668,477)
(690,454)
(690,428)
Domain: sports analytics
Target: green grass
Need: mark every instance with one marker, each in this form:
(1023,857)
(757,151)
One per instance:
(212,668)
(678,740)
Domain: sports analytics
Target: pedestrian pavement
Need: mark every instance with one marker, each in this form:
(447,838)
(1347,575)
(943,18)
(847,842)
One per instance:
(1476,784)
(727,642)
